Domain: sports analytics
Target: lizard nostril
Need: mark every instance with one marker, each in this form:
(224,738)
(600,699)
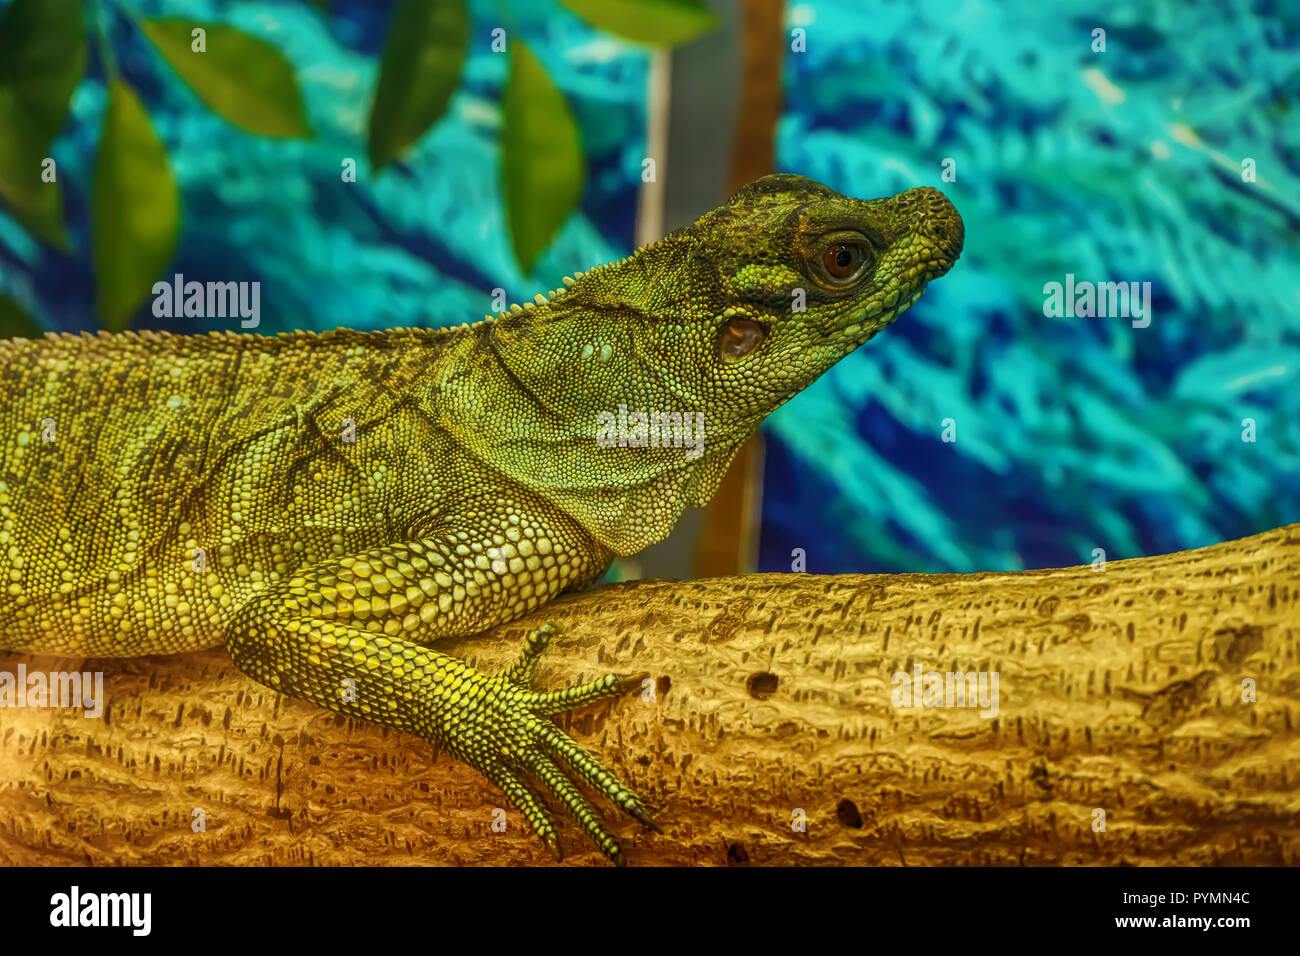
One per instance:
(947,235)
(943,225)
(937,219)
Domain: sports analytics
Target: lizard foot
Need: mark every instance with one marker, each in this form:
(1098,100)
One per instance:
(510,735)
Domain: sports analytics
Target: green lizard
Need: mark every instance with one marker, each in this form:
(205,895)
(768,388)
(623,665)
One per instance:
(329,505)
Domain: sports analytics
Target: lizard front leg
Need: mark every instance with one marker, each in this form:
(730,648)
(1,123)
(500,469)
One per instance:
(350,635)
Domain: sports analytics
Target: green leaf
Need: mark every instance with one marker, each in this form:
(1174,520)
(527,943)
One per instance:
(42,59)
(655,22)
(542,165)
(15,323)
(241,78)
(36,204)
(135,210)
(423,56)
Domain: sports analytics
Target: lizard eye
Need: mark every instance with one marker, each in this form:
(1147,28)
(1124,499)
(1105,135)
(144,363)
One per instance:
(739,338)
(843,262)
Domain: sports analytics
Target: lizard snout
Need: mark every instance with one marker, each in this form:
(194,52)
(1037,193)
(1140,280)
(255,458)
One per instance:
(938,221)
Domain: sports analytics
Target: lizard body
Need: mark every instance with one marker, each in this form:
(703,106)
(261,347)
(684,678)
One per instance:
(329,505)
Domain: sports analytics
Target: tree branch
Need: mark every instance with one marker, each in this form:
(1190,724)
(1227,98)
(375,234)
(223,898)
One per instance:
(1119,692)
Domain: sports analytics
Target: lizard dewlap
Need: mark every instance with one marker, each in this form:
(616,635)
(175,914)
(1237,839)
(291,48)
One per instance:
(328,506)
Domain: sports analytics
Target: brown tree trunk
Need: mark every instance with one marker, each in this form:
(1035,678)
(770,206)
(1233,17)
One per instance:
(728,541)
(1123,692)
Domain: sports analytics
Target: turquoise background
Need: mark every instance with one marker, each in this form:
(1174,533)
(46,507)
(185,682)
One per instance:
(1072,434)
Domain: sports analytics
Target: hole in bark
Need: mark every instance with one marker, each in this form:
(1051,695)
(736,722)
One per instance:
(761,685)
(848,813)
(736,854)
(662,685)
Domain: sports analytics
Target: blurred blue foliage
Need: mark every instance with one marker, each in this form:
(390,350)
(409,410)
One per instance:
(1072,434)
(1124,165)
(422,243)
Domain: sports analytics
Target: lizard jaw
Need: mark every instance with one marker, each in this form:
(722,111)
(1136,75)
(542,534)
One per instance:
(861,326)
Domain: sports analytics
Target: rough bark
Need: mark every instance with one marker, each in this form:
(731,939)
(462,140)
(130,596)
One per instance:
(1120,690)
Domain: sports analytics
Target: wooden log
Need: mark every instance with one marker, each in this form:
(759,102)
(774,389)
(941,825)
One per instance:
(1160,696)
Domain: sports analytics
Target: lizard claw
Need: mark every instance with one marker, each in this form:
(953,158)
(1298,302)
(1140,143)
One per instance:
(633,682)
(641,815)
(511,736)
(536,642)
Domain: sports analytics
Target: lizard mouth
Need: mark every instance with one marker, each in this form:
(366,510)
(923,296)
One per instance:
(861,326)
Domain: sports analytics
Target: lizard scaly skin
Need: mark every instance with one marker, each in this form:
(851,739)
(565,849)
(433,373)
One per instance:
(327,506)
